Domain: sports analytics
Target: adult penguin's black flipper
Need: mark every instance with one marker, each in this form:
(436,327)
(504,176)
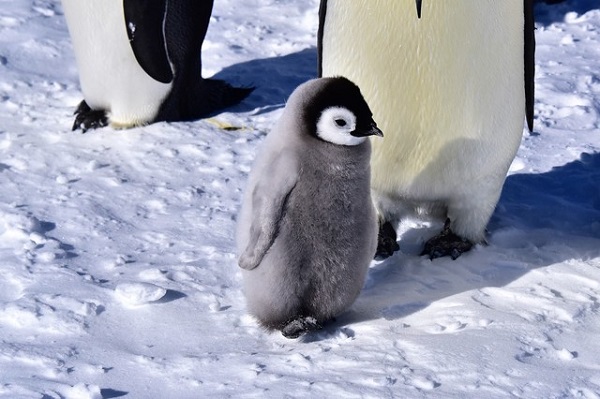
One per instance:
(144,21)
(529,61)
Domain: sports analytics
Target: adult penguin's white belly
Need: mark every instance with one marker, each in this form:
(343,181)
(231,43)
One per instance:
(447,91)
(109,74)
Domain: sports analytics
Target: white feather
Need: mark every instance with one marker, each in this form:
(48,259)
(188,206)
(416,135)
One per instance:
(336,124)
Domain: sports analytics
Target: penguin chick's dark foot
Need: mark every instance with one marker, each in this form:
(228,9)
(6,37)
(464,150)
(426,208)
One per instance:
(386,241)
(87,118)
(223,95)
(300,326)
(447,243)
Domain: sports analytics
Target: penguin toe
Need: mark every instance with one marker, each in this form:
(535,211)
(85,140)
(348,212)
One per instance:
(300,326)
(87,118)
(386,241)
(447,243)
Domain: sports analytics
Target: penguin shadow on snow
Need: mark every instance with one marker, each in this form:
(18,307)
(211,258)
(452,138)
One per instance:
(566,198)
(537,211)
(547,14)
(274,79)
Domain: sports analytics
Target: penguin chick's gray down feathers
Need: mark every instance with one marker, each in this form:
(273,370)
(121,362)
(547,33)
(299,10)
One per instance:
(307,229)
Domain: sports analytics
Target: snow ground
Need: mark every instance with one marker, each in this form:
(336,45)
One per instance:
(116,250)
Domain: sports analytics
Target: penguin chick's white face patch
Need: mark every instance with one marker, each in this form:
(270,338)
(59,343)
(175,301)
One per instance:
(336,125)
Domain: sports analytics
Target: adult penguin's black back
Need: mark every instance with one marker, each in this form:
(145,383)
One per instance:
(529,61)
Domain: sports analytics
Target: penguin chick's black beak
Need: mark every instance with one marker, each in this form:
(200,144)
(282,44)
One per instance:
(371,130)
(419,3)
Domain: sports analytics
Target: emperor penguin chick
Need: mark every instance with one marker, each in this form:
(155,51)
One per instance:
(307,229)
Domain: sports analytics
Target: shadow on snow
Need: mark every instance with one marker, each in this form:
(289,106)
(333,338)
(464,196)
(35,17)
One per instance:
(274,78)
(546,14)
(541,220)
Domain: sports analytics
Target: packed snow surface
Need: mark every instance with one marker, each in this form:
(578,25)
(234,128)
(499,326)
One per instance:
(117,269)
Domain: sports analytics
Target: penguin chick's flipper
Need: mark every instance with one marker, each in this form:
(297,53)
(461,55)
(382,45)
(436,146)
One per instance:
(87,118)
(269,200)
(447,243)
(144,21)
(300,326)
(386,241)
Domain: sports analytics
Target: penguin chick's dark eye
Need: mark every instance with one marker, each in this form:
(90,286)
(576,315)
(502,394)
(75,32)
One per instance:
(340,122)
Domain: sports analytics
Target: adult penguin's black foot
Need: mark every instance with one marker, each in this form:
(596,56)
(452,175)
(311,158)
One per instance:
(386,241)
(447,243)
(87,118)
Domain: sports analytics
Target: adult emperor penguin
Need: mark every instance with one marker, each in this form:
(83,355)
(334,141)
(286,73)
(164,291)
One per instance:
(450,83)
(139,62)
(307,229)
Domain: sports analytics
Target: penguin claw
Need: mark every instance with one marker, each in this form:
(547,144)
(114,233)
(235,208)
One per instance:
(87,118)
(300,326)
(447,243)
(386,241)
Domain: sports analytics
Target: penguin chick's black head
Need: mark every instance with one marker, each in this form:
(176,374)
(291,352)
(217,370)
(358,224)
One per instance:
(339,93)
